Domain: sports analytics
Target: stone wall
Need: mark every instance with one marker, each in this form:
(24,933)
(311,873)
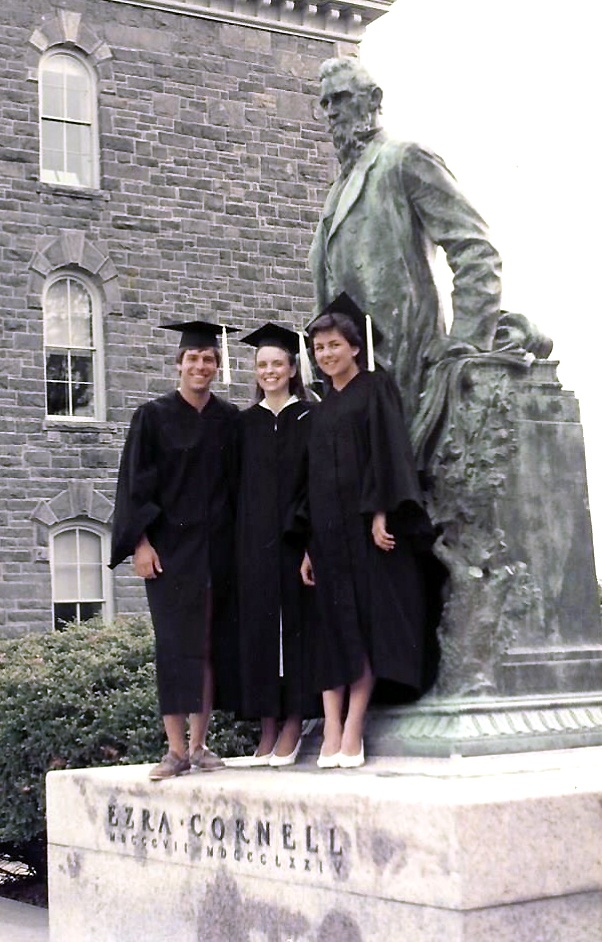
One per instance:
(213,164)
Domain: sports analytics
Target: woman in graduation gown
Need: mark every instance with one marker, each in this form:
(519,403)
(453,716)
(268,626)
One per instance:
(274,643)
(368,531)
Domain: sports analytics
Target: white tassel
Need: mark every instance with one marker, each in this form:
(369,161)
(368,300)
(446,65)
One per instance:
(307,376)
(369,343)
(226,374)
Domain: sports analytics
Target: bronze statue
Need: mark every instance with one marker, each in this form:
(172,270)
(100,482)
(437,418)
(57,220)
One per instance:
(391,205)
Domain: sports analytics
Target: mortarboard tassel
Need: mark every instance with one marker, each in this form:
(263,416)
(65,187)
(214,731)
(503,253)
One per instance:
(307,376)
(369,343)
(226,374)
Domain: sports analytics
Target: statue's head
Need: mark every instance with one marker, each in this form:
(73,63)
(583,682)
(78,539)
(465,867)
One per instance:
(349,98)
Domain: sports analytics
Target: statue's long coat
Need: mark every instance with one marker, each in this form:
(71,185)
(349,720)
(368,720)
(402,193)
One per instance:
(379,227)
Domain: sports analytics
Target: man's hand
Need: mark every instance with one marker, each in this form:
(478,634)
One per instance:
(307,572)
(146,560)
(385,541)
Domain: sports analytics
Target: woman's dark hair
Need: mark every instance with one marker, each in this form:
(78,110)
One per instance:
(216,350)
(295,385)
(346,327)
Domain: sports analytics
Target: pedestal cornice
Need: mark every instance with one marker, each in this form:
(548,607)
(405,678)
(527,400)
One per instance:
(338,20)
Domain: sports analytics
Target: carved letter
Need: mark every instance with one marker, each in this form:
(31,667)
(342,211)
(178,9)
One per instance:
(338,852)
(286,837)
(240,831)
(308,847)
(263,833)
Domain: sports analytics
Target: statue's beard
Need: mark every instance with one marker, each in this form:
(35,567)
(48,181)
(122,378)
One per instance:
(350,140)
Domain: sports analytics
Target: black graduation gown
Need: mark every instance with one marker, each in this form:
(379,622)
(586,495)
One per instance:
(177,483)
(273,449)
(371,603)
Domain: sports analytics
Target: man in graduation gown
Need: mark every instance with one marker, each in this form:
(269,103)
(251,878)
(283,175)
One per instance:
(174,513)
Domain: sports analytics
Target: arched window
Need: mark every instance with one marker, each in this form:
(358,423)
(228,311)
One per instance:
(68,120)
(80,577)
(73,348)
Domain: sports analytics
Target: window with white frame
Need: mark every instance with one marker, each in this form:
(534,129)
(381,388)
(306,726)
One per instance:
(80,577)
(68,120)
(73,348)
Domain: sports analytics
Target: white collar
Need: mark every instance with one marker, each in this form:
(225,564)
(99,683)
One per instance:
(288,402)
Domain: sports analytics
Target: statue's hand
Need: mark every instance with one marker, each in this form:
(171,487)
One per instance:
(445,347)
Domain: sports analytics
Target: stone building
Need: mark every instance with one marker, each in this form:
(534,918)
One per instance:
(159,160)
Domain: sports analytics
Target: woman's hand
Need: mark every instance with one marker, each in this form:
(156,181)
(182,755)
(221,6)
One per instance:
(146,560)
(385,541)
(307,572)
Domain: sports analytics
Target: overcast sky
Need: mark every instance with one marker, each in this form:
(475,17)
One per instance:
(508,93)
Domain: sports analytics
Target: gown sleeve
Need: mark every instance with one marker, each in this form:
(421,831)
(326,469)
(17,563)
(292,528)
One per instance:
(296,522)
(136,504)
(297,525)
(390,482)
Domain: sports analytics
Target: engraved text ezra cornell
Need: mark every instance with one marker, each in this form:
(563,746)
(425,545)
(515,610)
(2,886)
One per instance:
(259,842)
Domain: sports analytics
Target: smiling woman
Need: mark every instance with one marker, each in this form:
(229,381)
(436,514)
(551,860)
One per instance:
(336,355)
(369,539)
(274,608)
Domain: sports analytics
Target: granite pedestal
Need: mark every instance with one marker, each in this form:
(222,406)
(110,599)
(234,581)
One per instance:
(505,848)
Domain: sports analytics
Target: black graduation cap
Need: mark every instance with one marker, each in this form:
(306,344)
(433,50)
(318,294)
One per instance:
(343,304)
(199,334)
(282,336)
(291,340)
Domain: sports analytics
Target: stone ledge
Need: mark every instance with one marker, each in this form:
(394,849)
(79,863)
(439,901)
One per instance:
(324,19)
(484,726)
(448,848)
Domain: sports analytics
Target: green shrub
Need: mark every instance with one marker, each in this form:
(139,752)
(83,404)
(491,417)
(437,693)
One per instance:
(81,697)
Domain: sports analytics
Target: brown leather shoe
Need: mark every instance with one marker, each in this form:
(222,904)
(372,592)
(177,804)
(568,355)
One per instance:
(203,760)
(170,765)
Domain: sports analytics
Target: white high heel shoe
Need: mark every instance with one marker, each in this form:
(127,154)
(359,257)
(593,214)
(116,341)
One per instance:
(328,762)
(352,762)
(248,762)
(279,761)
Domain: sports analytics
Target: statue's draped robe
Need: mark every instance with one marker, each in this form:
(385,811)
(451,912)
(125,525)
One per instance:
(376,240)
